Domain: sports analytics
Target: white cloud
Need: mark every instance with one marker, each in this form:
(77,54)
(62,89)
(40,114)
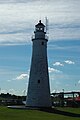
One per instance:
(79,82)
(58,64)
(54,70)
(3,91)
(12,91)
(56,91)
(9,80)
(69,62)
(66,61)
(17,20)
(24,92)
(22,76)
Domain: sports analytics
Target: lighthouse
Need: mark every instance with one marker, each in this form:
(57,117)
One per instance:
(38,94)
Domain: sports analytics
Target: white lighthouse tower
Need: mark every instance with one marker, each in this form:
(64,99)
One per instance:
(38,94)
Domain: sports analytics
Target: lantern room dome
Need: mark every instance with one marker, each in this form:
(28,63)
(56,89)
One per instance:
(39,27)
(40,24)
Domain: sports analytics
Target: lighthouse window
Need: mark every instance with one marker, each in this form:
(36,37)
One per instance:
(41,28)
(37,28)
(38,81)
(42,43)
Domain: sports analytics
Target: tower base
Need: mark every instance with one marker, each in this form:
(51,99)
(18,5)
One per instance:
(29,107)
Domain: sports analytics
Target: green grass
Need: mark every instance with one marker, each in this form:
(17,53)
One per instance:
(16,114)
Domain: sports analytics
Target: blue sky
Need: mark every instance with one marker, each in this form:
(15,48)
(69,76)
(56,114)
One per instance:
(17,21)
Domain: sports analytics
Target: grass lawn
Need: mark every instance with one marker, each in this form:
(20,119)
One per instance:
(17,114)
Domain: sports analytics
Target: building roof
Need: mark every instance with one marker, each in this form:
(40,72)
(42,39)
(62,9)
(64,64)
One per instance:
(76,99)
(40,24)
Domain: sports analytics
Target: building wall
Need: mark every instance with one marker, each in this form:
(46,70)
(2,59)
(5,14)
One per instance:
(38,89)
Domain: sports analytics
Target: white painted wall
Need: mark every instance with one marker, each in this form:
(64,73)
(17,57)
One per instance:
(39,93)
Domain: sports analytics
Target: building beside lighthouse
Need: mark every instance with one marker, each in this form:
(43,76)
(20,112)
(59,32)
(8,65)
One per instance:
(38,94)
